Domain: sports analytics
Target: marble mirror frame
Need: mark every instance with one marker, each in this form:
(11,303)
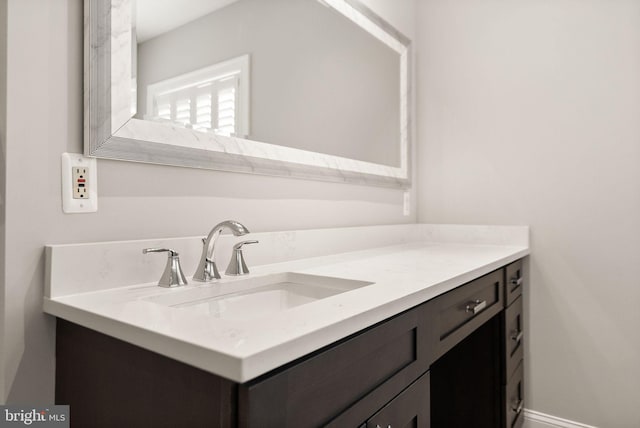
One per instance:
(111,132)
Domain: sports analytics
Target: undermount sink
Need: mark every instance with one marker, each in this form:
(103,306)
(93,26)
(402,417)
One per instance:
(255,297)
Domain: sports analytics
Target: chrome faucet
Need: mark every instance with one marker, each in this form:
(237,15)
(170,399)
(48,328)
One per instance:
(207,269)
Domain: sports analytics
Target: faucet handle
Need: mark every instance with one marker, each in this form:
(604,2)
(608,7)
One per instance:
(237,266)
(160,250)
(172,275)
(239,245)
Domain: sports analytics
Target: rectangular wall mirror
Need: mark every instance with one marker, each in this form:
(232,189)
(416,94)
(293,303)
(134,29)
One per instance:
(315,89)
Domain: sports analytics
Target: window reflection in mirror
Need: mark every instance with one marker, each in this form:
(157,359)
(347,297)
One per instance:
(211,99)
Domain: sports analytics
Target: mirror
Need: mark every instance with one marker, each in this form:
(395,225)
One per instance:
(302,88)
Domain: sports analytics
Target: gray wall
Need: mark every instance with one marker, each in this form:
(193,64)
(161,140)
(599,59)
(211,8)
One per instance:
(304,57)
(528,114)
(136,201)
(3,128)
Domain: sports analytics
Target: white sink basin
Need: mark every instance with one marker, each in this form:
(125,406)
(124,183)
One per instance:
(255,297)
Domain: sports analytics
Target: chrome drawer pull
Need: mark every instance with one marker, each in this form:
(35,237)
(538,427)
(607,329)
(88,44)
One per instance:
(476,306)
(516,282)
(518,407)
(518,337)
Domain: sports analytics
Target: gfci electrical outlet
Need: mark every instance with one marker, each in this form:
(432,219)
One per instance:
(79,184)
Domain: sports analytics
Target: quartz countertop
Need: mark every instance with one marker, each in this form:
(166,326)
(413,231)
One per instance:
(402,277)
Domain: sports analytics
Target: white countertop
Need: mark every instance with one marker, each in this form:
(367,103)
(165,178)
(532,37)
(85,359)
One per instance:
(402,275)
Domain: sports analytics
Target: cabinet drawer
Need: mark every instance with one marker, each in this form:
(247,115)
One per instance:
(409,409)
(514,399)
(461,311)
(514,282)
(513,337)
(376,364)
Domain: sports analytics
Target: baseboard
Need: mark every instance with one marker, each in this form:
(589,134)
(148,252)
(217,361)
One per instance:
(533,419)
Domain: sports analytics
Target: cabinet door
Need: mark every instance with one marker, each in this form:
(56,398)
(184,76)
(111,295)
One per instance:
(513,338)
(344,384)
(410,409)
(514,400)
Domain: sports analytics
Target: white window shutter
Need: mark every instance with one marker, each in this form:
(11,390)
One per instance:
(214,99)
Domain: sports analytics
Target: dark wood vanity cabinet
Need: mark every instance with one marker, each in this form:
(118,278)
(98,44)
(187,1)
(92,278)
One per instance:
(453,361)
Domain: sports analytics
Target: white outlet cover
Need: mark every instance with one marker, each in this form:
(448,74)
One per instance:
(69,204)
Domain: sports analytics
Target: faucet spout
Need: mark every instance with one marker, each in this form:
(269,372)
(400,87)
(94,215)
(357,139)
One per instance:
(207,269)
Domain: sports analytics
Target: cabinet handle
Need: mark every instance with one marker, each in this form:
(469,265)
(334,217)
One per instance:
(476,306)
(378,426)
(517,408)
(517,337)
(516,282)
